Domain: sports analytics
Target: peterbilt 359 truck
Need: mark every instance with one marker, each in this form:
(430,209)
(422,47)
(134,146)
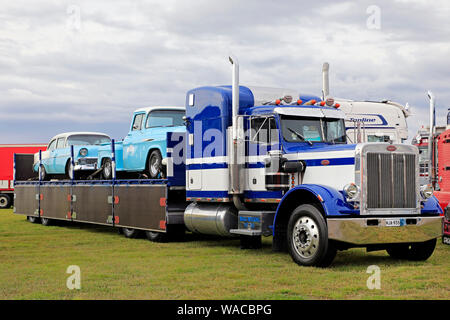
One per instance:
(249,168)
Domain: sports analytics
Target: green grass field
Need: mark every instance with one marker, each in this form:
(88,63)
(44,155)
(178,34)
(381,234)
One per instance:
(34,260)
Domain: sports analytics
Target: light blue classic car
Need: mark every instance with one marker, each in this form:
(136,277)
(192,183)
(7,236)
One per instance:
(142,151)
(55,162)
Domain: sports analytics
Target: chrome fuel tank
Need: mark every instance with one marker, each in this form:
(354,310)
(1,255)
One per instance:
(212,219)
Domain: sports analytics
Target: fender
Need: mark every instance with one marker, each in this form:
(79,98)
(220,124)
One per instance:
(332,201)
(431,206)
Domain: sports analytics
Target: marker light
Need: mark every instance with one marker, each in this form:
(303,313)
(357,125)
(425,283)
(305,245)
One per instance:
(299,102)
(287,99)
(337,105)
(322,103)
(83,152)
(277,102)
(313,101)
(329,102)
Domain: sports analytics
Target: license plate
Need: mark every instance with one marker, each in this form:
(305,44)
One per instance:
(446,240)
(394,222)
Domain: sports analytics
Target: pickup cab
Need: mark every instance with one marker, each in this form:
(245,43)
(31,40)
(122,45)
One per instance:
(143,149)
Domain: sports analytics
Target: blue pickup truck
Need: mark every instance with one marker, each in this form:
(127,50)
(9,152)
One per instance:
(143,149)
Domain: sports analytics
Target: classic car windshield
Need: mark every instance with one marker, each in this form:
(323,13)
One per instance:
(165,118)
(298,129)
(87,139)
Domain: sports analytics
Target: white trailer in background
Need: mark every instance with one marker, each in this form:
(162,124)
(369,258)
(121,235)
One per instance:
(379,121)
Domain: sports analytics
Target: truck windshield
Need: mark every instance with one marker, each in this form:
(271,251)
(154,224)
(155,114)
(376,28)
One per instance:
(165,118)
(300,129)
(86,139)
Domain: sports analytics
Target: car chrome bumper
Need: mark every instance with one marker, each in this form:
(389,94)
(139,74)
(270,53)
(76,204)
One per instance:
(363,231)
(86,164)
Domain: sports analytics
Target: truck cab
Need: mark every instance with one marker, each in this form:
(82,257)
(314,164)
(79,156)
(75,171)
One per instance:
(143,150)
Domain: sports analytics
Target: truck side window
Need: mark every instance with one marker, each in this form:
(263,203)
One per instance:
(137,123)
(263,130)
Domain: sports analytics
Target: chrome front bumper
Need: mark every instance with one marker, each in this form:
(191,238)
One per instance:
(86,164)
(363,231)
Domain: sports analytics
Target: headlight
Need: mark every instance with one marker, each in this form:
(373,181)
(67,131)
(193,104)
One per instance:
(426,191)
(351,191)
(83,152)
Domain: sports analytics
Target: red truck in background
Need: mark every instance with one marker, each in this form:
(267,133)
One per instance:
(440,168)
(7,152)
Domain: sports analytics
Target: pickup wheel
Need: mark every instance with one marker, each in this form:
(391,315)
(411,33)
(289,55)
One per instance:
(131,233)
(419,251)
(154,166)
(5,201)
(107,169)
(307,238)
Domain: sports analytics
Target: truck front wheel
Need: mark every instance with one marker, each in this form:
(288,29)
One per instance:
(419,251)
(307,238)
(5,201)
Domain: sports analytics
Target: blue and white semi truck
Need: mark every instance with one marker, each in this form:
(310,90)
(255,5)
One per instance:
(248,167)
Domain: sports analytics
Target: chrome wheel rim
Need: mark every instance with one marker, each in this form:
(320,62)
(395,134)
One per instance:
(154,167)
(107,169)
(3,202)
(305,237)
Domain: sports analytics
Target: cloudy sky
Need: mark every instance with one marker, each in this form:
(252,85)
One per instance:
(86,65)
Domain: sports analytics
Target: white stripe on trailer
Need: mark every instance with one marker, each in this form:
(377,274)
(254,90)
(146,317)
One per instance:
(4,184)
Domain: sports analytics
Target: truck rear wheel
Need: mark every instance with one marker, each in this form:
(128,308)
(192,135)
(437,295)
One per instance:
(419,251)
(307,238)
(5,201)
(131,233)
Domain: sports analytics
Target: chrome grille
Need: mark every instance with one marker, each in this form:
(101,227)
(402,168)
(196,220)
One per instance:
(391,180)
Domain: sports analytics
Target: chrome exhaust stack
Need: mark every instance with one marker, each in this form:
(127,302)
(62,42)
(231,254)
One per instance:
(431,134)
(325,80)
(235,144)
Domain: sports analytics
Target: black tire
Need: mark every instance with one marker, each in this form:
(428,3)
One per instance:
(155,169)
(33,219)
(107,169)
(419,251)
(307,238)
(156,236)
(44,175)
(131,233)
(5,201)
(46,222)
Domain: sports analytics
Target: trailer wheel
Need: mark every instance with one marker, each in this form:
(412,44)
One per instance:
(418,251)
(156,236)
(46,222)
(155,167)
(131,233)
(107,169)
(5,201)
(33,219)
(307,238)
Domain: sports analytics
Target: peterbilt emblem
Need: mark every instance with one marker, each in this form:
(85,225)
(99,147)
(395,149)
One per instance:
(325,162)
(391,148)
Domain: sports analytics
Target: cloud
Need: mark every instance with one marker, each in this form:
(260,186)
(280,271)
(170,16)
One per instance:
(84,65)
